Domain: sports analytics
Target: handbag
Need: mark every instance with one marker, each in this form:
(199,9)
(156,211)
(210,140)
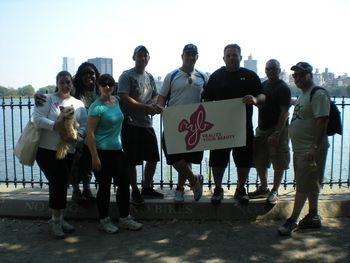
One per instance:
(27,144)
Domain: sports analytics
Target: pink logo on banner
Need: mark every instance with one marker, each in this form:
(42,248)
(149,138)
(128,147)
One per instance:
(195,127)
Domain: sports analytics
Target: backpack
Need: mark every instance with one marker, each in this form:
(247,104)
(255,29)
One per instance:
(334,118)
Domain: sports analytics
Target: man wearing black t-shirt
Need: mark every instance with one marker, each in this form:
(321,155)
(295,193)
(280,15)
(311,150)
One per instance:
(229,82)
(271,136)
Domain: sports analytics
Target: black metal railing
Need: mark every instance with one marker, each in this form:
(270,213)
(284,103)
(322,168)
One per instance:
(17,111)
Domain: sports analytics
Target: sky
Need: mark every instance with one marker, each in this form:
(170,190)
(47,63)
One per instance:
(35,35)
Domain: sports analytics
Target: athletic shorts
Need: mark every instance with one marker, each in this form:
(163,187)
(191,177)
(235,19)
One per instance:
(191,157)
(242,156)
(264,153)
(139,144)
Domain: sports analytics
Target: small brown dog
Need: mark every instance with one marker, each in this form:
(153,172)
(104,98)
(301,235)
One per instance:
(70,126)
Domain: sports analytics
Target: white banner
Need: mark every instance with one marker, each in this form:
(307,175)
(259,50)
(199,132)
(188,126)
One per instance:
(205,126)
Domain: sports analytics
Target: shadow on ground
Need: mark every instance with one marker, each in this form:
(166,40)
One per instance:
(175,241)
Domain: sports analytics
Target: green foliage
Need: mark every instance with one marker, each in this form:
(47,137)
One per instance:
(7,92)
(26,91)
(47,89)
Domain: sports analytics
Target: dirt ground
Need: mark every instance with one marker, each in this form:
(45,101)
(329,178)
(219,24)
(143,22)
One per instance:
(24,240)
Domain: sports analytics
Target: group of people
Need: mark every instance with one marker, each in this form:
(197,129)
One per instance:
(116,135)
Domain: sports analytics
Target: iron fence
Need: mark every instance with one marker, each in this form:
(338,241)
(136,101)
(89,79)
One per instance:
(17,111)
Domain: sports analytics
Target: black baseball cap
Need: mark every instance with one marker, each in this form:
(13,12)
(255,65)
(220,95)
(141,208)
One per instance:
(140,48)
(302,67)
(190,48)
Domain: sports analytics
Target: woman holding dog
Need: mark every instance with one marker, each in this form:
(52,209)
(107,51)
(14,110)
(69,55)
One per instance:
(52,131)
(84,89)
(103,137)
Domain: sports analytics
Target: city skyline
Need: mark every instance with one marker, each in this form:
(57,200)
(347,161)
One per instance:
(33,45)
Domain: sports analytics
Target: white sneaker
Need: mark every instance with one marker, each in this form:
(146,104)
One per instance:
(179,196)
(197,188)
(273,197)
(107,226)
(56,228)
(129,223)
(66,227)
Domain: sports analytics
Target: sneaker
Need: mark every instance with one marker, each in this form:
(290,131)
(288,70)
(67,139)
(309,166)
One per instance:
(272,198)
(66,227)
(107,226)
(179,196)
(259,193)
(129,223)
(77,196)
(217,196)
(56,228)
(287,228)
(310,221)
(136,198)
(150,193)
(241,196)
(197,188)
(88,195)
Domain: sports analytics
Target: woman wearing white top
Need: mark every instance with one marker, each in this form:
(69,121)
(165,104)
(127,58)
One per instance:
(57,171)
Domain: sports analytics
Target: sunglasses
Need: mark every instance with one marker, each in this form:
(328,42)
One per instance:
(270,69)
(105,84)
(88,72)
(298,75)
(189,79)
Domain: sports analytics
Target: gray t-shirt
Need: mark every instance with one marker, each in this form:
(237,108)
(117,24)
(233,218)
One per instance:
(142,88)
(302,126)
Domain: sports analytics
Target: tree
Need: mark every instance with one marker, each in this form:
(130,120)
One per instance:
(26,91)
(7,92)
(47,89)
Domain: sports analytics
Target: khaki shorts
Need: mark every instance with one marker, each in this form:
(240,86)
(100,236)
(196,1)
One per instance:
(309,179)
(264,153)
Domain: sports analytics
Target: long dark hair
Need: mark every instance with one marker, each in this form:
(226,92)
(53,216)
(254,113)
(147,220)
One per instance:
(77,81)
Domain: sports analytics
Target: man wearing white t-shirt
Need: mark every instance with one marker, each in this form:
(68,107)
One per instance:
(184,86)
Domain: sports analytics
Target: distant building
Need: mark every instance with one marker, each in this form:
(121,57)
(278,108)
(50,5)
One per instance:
(103,65)
(68,65)
(251,64)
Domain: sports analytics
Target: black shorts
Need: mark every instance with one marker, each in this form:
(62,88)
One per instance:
(191,157)
(139,144)
(242,156)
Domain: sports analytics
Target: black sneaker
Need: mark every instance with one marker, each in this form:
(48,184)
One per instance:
(259,193)
(241,196)
(287,228)
(136,198)
(217,196)
(310,221)
(88,195)
(150,193)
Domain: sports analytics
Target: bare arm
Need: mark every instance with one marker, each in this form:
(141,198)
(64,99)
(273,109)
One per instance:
(150,109)
(281,124)
(161,101)
(250,99)
(320,130)
(91,141)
